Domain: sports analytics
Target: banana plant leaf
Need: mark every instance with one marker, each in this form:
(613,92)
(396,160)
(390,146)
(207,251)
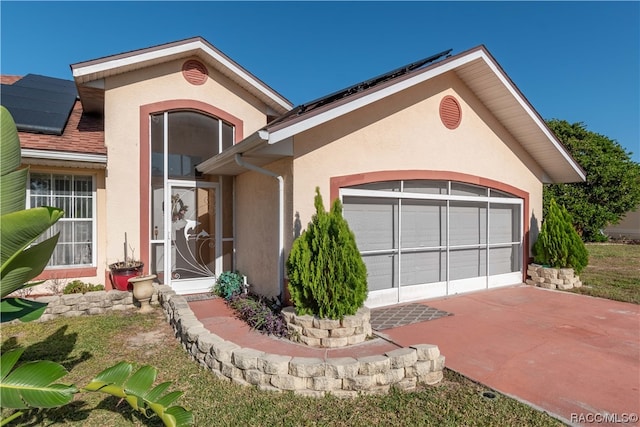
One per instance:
(32,384)
(136,390)
(10,159)
(12,181)
(19,229)
(25,265)
(19,308)
(12,191)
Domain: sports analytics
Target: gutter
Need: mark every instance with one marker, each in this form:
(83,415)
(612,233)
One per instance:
(240,161)
(64,156)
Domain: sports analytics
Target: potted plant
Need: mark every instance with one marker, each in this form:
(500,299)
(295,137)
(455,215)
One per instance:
(122,271)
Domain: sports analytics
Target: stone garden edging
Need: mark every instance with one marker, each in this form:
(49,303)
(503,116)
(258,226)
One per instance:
(403,368)
(96,302)
(552,278)
(328,333)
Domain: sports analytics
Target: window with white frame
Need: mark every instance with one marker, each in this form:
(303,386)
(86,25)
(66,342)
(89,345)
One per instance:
(75,194)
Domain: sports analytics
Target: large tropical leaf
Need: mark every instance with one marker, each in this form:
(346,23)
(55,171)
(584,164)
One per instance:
(25,265)
(137,391)
(19,229)
(12,191)
(10,159)
(18,308)
(32,384)
(12,182)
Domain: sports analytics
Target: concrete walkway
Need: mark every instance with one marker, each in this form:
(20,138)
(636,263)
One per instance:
(574,356)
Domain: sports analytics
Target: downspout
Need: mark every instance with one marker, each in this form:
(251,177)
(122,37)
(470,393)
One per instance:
(240,161)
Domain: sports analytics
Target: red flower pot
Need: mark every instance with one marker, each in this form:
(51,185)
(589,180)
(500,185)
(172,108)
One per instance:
(121,273)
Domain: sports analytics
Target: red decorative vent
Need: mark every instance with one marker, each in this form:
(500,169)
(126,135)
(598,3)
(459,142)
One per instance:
(450,112)
(195,72)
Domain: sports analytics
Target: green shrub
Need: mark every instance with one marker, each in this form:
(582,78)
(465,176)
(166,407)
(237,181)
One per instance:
(228,284)
(558,244)
(327,277)
(79,287)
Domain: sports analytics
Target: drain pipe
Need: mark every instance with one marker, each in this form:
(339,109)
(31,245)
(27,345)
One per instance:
(240,161)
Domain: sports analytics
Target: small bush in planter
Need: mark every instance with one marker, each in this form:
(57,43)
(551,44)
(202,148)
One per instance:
(558,244)
(228,284)
(327,276)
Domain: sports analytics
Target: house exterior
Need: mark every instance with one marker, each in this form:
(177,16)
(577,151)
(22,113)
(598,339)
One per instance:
(627,228)
(439,165)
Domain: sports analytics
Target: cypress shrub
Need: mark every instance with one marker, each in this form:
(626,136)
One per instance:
(327,277)
(558,244)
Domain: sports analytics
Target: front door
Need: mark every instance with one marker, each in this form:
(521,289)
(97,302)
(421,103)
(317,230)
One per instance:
(192,247)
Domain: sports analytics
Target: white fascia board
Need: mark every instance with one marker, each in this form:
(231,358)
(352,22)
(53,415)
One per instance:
(348,107)
(333,113)
(64,155)
(533,115)
(177,50)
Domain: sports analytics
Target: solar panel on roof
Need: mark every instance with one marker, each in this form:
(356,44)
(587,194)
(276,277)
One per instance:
(40,104)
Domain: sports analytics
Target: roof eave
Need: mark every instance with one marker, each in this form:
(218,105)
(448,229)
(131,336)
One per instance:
(563,168)
(89,71)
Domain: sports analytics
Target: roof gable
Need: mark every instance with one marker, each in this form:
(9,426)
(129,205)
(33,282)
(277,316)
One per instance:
(477,69)
(89,74)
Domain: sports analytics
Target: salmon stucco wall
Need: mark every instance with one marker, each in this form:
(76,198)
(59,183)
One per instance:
(257,225)
(125,94)
(404,132)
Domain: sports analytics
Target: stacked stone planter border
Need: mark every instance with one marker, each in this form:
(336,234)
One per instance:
(98,302)
(404,368)
(329,333)
(552,278)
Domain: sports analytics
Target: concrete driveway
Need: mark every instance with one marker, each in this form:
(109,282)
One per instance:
(573,356)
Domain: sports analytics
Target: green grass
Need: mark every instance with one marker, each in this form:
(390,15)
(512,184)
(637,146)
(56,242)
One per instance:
(613,272)
(86,346)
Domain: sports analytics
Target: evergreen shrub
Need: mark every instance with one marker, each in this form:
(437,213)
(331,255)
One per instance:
(559,244)
(327,277)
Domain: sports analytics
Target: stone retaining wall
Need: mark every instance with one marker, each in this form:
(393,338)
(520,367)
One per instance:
(98,302)
(403,368)
(552,278)
(329,333)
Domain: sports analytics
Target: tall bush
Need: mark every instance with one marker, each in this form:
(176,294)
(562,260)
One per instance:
(327,277)
(559,244)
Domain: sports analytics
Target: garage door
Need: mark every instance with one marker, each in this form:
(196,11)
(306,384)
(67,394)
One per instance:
(423,239)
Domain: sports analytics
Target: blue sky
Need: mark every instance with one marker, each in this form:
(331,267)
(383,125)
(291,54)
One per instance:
(577,61)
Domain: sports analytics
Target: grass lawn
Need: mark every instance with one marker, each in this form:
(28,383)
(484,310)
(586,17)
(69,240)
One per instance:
(86,346)
(613,272)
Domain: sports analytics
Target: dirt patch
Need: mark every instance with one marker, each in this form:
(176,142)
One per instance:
(152,338)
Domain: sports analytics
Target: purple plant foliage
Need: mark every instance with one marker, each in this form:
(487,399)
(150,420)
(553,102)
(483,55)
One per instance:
(260,313)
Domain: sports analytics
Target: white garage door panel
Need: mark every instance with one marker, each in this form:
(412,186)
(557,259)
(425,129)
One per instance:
(423,267)
(426,239)
(381,271)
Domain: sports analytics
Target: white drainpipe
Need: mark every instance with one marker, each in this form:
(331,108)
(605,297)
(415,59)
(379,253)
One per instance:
(240,161)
